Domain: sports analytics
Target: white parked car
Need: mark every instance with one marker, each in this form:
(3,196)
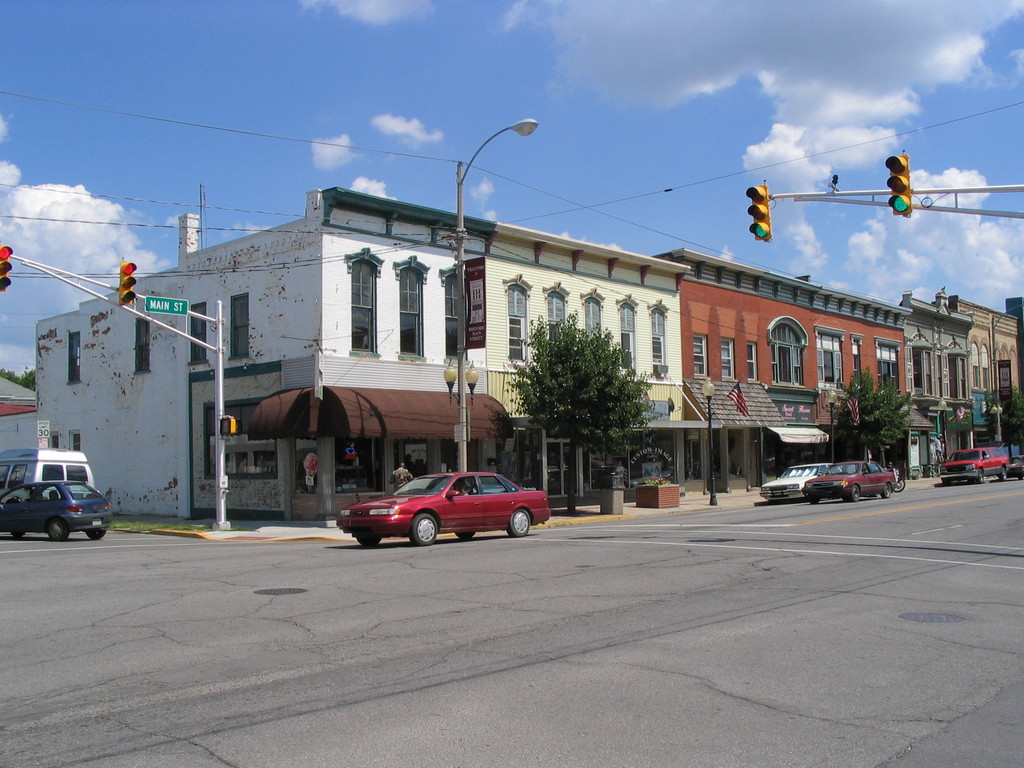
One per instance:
(790,484)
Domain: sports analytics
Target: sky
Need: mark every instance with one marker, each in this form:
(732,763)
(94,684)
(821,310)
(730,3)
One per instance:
(655,116)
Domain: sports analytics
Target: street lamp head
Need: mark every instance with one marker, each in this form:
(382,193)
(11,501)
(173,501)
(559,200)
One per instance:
(472,377)
(524,127)
(708,388)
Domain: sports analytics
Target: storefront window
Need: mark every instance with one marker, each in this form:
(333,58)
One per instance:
(692,440)
(355,465)
(242,457)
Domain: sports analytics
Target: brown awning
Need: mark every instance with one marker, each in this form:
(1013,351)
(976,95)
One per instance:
(350,412)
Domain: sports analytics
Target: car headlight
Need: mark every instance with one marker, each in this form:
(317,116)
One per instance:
(393,510)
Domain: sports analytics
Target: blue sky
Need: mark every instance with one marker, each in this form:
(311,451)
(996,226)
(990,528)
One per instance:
(655,116)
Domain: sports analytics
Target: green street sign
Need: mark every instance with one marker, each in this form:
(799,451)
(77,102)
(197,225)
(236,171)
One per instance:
(166,306)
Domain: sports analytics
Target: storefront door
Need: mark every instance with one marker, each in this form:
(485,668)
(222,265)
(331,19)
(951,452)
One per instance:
(558,465)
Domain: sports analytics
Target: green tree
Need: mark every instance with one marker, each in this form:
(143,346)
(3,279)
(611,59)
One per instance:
(884,415)
(26,379)
(576,389)
(1011,420)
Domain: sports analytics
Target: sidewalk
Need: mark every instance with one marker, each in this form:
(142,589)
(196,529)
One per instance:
(326,530)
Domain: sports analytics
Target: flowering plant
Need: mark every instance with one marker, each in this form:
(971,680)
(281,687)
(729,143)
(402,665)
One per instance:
(655,481)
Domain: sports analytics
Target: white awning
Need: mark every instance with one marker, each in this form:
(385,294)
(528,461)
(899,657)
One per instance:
(800,434)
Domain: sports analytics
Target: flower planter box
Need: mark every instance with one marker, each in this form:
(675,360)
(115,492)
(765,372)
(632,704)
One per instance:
(657,496)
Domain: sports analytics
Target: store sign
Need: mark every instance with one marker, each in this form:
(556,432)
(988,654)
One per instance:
(656,409)
(1005,380)
(801,413)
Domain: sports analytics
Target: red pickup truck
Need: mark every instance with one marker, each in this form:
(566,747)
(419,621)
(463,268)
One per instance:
(973,465)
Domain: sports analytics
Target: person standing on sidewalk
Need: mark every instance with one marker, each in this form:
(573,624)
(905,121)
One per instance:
(400,476)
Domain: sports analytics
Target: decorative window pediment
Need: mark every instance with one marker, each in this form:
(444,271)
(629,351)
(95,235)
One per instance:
(364,255)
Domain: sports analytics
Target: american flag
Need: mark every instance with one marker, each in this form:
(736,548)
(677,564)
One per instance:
(736,395)
(854,404)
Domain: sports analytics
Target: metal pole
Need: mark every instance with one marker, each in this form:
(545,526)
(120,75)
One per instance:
(713,501)
(462,430)
(832,429)
(222,523)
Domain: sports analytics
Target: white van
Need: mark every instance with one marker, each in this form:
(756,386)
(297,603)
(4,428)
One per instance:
(31,465)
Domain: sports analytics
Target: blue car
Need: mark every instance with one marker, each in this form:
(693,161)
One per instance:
(56,509)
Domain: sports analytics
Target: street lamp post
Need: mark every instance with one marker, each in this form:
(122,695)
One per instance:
(831,398)
(709,391)
(523,128)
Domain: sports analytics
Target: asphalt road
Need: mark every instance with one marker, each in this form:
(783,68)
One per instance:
(884,633)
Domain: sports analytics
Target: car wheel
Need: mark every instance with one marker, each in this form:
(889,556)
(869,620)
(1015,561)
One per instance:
(424,530)
(466,535)
(945,483)
(17,534)
(57,530)
(813,499)
(368,541)
(1002,474)
(886,491)
(96,534)
(519,524)
(854,496)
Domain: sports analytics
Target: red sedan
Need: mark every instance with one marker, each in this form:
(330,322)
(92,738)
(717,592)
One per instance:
(462,503)
(849,481)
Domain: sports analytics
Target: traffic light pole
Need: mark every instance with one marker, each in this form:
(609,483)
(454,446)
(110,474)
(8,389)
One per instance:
(840,197)
(75,280)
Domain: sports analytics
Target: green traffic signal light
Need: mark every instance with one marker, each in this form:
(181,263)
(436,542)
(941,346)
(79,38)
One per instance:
(759,210)
(901,201)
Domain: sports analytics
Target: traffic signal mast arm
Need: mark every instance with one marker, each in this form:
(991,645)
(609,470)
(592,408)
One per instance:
(75,281)
(841,197)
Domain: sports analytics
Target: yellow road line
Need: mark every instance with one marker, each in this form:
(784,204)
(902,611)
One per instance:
(904,509)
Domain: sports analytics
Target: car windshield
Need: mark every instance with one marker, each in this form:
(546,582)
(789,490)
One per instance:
(424,485)
(847,468)
(965,455)
(801,471)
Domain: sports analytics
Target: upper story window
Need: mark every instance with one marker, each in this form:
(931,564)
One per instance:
(888,363)
(240,325)
(410,311)
(517,322)
(975,366)
(556,311)
(830,359)
(986,382)
(451,315)
(141,345)
(957,374)
(658,337)
(700,355)
(627,335)
(728,352)
(364,305)
(74,357)
(924,381)
(197,330)
(752,361)
(787,341)
(592,315)
(855,345)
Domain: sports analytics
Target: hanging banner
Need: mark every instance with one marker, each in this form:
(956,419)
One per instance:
(476,304)
(1005,380)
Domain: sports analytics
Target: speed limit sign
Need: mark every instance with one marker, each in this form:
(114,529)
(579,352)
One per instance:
(43,433)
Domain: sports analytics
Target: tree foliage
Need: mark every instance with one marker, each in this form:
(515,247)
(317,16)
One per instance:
(575,387)
(1011,420)
(26,379)
(884,415)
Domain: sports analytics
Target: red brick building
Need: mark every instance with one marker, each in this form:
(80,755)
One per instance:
(785,338)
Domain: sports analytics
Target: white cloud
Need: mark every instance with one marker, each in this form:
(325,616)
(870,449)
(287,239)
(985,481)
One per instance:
(411,131)
(329,154)
(377,12)
(48,224)
(371,187)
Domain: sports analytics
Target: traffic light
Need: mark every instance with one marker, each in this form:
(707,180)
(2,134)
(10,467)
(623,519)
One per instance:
(228,426)
(760,199)
(126,286)
(901,202)
(5,266)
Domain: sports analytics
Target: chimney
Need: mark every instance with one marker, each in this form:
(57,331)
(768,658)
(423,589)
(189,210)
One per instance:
(188,235)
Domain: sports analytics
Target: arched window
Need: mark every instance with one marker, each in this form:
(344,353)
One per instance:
(627,335)
(787,341)
(451,315)
(975,366)
(364,306)
(556,311)
(986,382)
(517,323)
(658,337)
(592,315)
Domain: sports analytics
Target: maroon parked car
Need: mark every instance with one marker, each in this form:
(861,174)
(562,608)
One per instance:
(849,480)
(462,503)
